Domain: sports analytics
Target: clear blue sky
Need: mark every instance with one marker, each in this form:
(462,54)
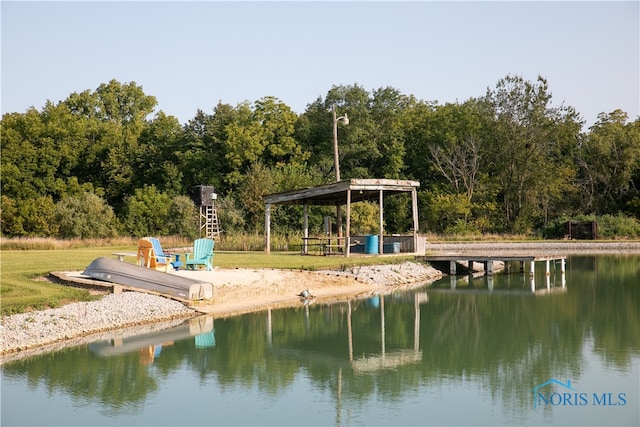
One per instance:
(190,55)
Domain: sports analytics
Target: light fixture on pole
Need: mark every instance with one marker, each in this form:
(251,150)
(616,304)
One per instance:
(336,161)
(345,120)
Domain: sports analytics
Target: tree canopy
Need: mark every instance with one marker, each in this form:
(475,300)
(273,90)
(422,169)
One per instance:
(507,161)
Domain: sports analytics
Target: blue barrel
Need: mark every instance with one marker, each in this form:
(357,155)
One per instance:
(371,244)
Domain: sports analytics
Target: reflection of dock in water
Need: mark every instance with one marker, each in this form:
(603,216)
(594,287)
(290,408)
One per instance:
(554,266)
(533,286)
(201,328)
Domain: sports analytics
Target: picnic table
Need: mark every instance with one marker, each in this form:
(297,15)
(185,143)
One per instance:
(325,245)
(121,255)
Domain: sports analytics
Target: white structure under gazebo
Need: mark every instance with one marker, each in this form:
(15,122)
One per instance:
(344,193)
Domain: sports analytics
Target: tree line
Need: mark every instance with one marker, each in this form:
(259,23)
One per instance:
(101,163)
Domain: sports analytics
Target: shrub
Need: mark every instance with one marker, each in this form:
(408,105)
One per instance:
(617,226)
(28,217)
(230,215)
(84,215)
(147,212)
(609,226)
(183,217)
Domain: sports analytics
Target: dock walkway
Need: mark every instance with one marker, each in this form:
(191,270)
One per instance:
(454,259)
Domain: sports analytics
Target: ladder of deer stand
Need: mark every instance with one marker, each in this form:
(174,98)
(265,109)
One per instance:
(209,221)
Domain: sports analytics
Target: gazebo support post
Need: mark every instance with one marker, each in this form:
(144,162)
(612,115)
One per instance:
(306,228)
(339,219)
(347,246)
(414,206)
(381,219)
(267,228)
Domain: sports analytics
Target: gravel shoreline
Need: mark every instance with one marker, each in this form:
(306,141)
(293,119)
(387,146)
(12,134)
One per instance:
(37,328)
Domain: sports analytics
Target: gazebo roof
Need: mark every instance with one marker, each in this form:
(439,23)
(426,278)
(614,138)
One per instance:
(336,193)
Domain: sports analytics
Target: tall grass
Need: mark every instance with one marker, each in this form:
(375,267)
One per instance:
(49,243)
(255,242)
(226,242)
(235,242)
(441,238)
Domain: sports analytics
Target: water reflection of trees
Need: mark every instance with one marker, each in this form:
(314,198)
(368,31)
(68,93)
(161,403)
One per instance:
(120,383)
(507,343)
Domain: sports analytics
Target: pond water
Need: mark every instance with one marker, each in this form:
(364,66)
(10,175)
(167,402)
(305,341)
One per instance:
(470,352)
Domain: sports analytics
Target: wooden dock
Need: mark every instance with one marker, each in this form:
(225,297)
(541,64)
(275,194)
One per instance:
(455,259)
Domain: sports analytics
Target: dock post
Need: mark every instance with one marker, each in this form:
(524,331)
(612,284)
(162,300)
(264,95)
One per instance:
(488,268)
(452,267)
(547,272)
(532,270)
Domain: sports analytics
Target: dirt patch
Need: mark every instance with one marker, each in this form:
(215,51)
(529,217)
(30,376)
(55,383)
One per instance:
(241,291)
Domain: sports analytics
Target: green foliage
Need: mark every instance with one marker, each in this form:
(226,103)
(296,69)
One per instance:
(609,226)
(230,214)
(258,181)
(365,218)
(84,216)
(158,157)
(448,213)
(633,207)
(287,219)
(38,151)
(398,214)
(529,139)
(10,221)
(519,160)
(262,133)
(147,213)
(183,217)
(612,226)
(28,217)
(609,158)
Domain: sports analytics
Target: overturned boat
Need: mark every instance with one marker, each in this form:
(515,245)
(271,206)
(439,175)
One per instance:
(135,276)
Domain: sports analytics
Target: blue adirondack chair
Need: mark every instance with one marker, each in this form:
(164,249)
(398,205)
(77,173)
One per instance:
(202,254)
(161,259)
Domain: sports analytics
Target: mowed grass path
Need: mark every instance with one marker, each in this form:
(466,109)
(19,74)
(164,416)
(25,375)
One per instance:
(21,288)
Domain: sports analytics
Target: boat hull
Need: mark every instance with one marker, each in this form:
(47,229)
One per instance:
(135,276)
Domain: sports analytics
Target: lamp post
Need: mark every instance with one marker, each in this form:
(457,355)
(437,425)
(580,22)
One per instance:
(345,120)
(336,162)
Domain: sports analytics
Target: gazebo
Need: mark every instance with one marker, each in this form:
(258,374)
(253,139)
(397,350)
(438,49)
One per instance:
(344,192)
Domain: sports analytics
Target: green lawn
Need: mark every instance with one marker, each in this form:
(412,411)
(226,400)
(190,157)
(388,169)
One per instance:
(21,291)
